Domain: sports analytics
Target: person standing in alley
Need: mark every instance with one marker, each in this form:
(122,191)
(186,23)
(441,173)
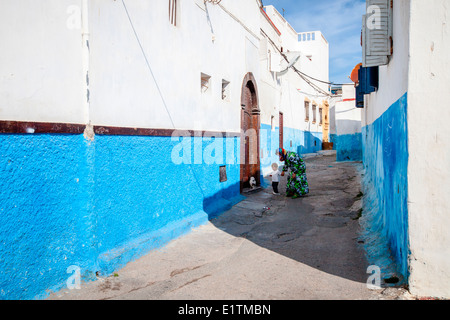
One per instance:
(275,178)
(297,183)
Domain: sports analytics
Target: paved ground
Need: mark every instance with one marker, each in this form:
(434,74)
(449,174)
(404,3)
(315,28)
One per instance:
(305,248)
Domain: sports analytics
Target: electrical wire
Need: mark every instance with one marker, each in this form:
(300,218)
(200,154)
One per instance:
(148,64)
(302,74)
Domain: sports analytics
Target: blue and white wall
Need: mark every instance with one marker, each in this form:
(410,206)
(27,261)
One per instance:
(429,148)
(348,126)
(406,150)
(386,156)
(100,196)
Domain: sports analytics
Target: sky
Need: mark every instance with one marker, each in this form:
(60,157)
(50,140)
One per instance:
(340,22)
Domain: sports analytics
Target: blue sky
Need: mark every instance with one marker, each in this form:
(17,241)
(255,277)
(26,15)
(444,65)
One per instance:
(340,22)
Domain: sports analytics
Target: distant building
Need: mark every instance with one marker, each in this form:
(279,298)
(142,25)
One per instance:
(294,106)
(348,126)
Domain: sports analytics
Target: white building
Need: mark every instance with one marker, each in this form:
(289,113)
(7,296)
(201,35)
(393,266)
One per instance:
(294,107)
(347,125)
(405,146)
(120,129)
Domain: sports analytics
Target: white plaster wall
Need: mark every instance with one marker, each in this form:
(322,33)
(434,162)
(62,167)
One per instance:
(429,148)
(270,84)
(347,116)
(166,92)
(393,78)
(295,90)
(41,61)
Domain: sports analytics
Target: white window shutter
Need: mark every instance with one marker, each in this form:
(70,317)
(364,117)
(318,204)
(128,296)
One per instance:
(377,33)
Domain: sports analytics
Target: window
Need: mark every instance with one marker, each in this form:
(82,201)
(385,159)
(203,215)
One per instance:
(225,90)
(306,110)
(320,116)
(222,173)
(313,36)
(314,107)
(205,82)
(173,12)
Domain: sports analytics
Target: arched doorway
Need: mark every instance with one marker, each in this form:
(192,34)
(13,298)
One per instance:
(250,126)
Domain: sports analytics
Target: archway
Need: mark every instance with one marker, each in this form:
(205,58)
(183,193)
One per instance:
(250,127)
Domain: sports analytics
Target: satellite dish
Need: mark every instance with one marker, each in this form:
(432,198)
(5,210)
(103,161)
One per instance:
(294,61)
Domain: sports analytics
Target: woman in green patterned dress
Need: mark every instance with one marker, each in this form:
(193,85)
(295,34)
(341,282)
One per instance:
(297,184)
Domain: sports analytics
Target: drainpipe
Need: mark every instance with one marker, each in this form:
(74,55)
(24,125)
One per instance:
(89,132)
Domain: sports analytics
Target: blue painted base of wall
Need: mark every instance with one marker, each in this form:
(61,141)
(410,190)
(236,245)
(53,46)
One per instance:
(349,147)
(65,201)
(385,217)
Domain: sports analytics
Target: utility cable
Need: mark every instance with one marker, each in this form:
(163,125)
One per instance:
(160,93)
(148,64)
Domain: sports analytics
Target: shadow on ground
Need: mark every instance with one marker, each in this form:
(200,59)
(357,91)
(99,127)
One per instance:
(320,230)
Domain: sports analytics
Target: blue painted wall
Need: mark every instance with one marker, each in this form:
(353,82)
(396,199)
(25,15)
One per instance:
(302,142)
(333,139)
(98,205)
(385,158)
(349,147)
(269,144)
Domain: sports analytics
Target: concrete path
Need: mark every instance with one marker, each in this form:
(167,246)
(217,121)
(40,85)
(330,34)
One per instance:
(306,248)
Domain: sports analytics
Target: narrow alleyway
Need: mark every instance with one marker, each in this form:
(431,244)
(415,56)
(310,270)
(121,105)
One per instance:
(266,247)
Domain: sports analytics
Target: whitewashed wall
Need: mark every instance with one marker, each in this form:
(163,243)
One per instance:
(143,71)
(429,148)
(347,116)
(393,78)
(130,92)
(420,67)
(295,90)
(41,61)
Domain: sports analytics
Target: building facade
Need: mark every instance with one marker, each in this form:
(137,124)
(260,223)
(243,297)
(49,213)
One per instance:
(120,129)
(294,106)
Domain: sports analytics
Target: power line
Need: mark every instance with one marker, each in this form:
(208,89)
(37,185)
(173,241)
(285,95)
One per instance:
(302,74)
(148,64)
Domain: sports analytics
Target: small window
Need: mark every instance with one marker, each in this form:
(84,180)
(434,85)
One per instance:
(320,116)
(314,109)
(306,111)
(205,82)
(223,173)
(225,90)
(173,12)
(304,37)
(272,123)
(313,36)
(309,36)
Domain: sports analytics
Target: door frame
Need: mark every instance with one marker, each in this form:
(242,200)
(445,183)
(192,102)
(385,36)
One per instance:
(250,151)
